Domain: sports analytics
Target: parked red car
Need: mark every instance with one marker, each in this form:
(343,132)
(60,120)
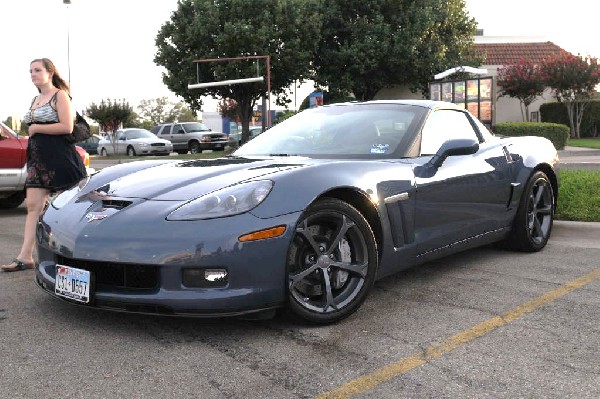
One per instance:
(13,166)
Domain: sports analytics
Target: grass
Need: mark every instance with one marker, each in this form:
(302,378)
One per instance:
(588,142)
(579,196)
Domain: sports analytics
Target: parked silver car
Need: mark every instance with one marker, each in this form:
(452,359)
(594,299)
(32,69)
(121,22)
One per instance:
(191,136)
(133,142)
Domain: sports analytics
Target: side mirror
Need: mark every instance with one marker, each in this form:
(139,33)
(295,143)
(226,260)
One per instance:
(452,148)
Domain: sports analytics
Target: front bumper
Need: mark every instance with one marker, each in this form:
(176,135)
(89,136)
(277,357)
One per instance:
(153,260)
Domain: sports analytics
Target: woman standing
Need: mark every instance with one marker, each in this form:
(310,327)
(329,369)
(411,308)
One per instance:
(53,164)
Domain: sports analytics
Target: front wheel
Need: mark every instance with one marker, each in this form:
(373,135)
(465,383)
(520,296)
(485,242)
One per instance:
(331,262)
(130,151)
(194,147)
(535,216)
(103,152)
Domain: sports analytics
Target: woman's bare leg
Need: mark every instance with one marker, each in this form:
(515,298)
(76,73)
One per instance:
(35,202)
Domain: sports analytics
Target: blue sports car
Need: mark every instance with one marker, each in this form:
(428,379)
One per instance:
(306,216)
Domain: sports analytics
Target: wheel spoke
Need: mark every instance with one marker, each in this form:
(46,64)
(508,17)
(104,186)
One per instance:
(295,279)
(329,301)
(537,228)
(546,210)
(346,224)
(354,268)
(538,195)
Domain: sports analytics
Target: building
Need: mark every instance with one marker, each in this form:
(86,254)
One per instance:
(499,52)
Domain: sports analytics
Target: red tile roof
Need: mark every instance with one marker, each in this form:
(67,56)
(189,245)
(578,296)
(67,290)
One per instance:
(511,53)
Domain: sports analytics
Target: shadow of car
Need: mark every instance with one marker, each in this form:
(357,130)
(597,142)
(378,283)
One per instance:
(133,141)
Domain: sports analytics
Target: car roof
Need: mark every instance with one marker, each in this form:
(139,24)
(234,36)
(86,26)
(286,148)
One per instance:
(420,103)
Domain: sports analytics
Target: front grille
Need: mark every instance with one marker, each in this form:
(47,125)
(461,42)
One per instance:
(157,144)
(117,275)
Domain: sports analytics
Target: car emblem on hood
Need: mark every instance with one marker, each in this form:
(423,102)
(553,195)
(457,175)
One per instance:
(91,217)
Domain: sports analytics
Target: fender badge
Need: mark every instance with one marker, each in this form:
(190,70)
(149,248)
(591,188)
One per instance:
(91,217)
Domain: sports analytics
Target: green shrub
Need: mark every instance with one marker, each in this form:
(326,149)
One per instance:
(556,112)
(556,133)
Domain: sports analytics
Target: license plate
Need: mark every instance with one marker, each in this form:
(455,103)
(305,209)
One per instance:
(72,283)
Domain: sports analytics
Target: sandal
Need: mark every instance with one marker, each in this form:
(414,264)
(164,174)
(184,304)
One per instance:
(18,266)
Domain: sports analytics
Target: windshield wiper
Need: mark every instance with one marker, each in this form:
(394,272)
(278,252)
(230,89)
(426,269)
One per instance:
(281,155)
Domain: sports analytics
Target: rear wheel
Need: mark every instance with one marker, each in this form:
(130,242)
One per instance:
(535,216)
(331,262)
(103,152)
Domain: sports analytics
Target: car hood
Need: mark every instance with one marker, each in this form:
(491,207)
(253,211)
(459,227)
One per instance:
(182,181)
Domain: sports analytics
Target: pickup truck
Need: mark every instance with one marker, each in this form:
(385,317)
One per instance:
(13,166)
(191,136)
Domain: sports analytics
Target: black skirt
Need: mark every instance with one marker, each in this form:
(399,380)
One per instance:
(53,163)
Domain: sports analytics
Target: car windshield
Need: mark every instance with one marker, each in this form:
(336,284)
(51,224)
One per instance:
(140,134)
(380,130)
(196,127)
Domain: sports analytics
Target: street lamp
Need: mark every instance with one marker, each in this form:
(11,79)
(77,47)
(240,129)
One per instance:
(68,2)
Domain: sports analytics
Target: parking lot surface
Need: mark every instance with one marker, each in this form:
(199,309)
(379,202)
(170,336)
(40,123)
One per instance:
(485,323)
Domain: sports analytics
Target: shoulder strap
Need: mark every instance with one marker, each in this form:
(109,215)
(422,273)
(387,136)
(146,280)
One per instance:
(32,101)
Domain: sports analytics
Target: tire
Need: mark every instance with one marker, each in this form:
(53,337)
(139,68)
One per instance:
(533,223)
(194,147)
(13,201)
(331,262)
(130,151)
(103,152)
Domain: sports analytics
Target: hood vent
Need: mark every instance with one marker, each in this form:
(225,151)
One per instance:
(115,204)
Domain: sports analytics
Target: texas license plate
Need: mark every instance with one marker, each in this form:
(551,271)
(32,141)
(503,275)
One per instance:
(72,283)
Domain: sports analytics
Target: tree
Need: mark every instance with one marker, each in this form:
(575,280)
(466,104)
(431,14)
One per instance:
(285,30)
(369,45)
(110,115)
(161,110)
(573,79)
(522,81)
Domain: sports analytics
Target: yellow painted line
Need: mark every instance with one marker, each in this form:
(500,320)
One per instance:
(393,370)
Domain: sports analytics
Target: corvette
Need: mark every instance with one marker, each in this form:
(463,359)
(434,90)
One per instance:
(305,216)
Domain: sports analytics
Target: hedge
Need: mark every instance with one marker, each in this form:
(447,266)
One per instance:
(555,112)
(555,132)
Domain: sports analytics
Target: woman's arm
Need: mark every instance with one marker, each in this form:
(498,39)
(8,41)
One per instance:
(65,118)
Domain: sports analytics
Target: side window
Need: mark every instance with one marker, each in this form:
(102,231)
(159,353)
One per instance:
(444,125)
(177,129)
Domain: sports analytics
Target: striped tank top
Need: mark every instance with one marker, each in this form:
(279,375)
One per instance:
(43,114)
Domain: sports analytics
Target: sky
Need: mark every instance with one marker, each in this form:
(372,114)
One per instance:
(106,48)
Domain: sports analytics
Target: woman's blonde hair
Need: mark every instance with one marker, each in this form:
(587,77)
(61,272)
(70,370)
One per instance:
(57,80)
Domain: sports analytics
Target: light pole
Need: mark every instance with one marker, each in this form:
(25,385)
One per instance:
(68,2)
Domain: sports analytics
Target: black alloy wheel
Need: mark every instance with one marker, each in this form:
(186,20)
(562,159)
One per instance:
(332,262)
(535,216)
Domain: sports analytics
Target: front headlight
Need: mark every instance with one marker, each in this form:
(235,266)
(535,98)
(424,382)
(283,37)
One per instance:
(66,196)
(228,201)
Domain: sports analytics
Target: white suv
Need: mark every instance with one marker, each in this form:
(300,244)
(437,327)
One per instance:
(191,136)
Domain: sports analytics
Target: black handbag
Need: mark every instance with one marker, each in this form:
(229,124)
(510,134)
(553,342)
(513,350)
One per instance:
(81,130)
